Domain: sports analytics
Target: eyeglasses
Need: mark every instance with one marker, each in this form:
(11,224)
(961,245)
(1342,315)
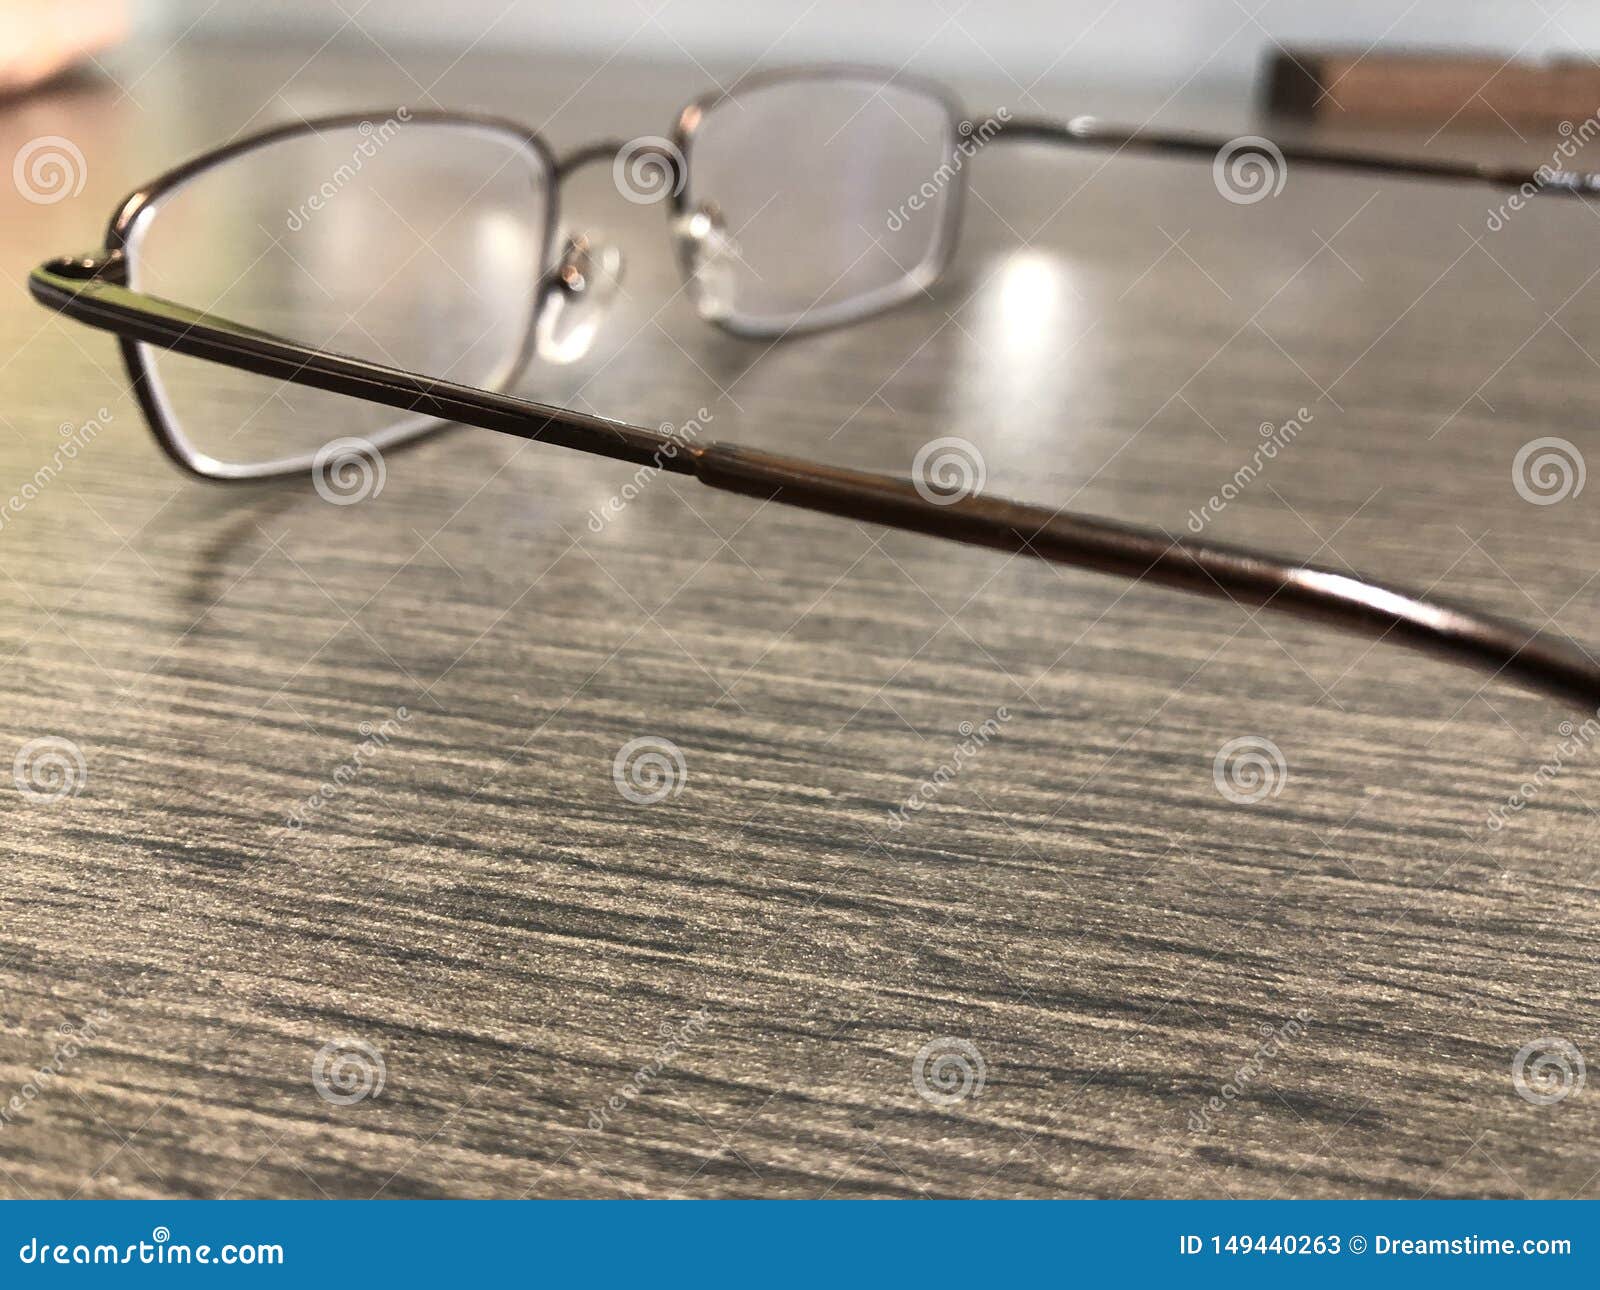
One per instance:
(394,273)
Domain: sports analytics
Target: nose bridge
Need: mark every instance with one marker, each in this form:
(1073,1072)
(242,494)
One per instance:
(587,154)
(640,156)
(576,298)
(580,286)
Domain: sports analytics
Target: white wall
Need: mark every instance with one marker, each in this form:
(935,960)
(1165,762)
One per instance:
(1158,43)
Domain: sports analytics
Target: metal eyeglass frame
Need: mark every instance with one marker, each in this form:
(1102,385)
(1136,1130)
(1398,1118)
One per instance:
(93,289)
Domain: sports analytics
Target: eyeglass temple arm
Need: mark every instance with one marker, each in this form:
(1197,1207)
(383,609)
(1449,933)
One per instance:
(1534,660)
(85,289)
(1089,132)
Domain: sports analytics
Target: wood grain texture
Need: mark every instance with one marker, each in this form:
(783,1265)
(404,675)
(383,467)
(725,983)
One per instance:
(1080,904)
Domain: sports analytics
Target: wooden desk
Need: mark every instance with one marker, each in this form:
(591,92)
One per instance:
(1112,936)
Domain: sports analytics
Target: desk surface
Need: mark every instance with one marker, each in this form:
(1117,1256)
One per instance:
(1156,990)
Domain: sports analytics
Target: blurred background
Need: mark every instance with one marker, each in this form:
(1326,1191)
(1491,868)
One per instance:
(1157,43)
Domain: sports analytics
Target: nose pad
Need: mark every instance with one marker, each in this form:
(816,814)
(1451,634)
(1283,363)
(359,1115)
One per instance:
(576,298)
(712,256)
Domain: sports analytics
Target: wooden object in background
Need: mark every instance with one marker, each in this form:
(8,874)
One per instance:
(1419,87)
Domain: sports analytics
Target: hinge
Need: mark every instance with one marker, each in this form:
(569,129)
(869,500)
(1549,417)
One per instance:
(93,266)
